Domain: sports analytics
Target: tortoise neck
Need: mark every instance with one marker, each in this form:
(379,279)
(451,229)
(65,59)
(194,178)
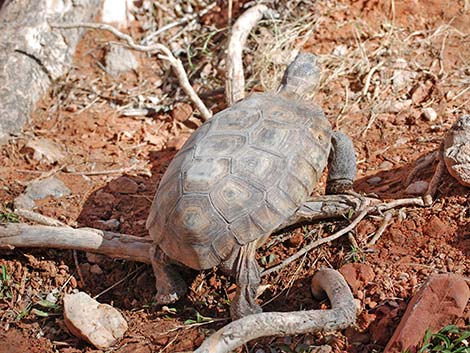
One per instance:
(289,91)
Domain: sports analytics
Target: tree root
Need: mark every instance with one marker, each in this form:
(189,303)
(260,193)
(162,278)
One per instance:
(235,81)
(341,315)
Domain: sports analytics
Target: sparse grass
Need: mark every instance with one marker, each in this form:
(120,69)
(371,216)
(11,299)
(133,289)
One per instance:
(7,215)
(450,339)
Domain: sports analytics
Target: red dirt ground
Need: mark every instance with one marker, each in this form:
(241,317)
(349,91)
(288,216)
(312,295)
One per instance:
(418,242)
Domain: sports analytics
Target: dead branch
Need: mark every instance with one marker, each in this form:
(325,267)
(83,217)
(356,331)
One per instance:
(235,81)
(39,218)
(370,206)
(175,63)
(341,315)
(178,22)
(20,235)
(318,242)
(386,220)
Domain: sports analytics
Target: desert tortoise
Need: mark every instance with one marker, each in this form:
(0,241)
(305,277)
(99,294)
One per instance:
(240,176)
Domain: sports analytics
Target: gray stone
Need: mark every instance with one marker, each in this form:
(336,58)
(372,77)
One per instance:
(24,202)
(40,189)
(417,188)
(374,180)
(120,60)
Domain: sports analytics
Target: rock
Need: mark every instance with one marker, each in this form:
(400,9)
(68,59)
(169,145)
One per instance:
(124,185)
(119,60)
(40,189)
(457,150)
(181,112)
(437,303)
(429,114)
(399,106)
(417,188)
(386,165)
(421,92)
(99,324)
(402,76)
(357,275)
(45,150)
(94,258)
(110,224)
(117,12)
(24,202)
(374,180)
(96,269)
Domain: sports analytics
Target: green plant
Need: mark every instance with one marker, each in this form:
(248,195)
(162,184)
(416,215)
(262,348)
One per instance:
(199,319)
(8,217)
(5,283)
(450,339)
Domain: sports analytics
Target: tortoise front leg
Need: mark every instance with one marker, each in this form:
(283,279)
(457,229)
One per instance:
(170,286)
(341,164)
(247,275)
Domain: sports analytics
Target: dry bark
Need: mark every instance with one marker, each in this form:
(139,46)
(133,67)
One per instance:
(123,246)
(33,55)
(341,315)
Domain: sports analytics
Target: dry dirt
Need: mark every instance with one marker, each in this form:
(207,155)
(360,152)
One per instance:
(82,112)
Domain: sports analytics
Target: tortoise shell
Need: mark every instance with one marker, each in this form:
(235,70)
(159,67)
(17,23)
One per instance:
(238,177)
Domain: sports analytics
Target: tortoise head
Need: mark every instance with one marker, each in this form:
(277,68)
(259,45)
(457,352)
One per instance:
(301,76)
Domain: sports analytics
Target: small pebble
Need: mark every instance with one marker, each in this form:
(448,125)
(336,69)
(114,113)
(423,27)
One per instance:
(417,188)
(374,180)
(429,114)
(386,165)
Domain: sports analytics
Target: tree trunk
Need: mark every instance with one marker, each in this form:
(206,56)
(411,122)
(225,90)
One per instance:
(33,55)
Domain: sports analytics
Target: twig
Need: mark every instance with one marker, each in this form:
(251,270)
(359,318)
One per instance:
(179,22)
(79,270)
(39,218)
(118,282)
(386,220)
(176,64)
(235,81)
(367,208)
(109,171)
(341,315)
(317,243)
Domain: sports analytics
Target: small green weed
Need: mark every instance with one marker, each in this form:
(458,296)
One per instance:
(450,339)
(5,284)
(199,319)
(8,217)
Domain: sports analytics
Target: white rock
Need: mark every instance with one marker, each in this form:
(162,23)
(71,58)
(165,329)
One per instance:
(46,150)
(340,50)
(417,188)
(120,60)
(429,114)
(117,12)
(399,106)
(100,324)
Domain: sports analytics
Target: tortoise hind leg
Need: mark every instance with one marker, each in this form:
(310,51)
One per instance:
(247,274)
(170,285)
(341,164)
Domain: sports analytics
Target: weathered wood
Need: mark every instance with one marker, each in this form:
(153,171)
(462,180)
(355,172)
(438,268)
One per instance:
(235,83)
(341,315)
(32,55)
(123,246)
